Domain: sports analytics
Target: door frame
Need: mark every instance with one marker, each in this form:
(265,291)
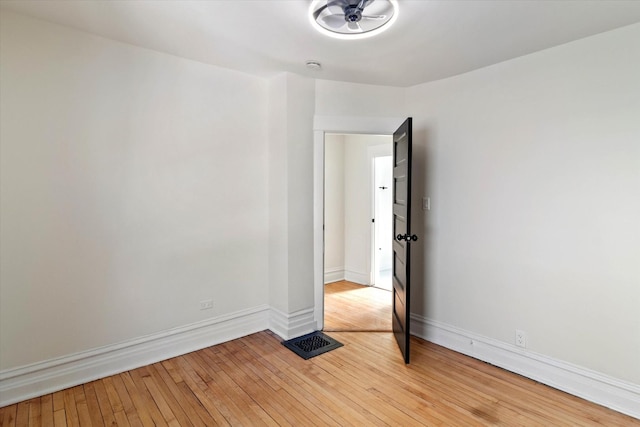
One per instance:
(321,126)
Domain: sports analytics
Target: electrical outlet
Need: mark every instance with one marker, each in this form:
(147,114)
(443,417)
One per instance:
(206,304)
(521,338)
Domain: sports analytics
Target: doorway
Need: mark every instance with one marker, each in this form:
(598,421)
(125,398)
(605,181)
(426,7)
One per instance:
(357,232)
(338,125)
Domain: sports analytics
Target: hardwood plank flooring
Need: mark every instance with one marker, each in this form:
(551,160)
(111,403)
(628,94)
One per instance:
(352,307)
(255,381)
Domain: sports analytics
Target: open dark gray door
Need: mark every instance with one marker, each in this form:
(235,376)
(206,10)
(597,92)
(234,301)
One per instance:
(402,236)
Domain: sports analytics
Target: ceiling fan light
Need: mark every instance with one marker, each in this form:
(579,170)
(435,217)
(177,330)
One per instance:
(382,19)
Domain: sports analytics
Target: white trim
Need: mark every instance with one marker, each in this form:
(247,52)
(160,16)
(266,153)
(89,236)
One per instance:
(357,277)
(292,325)
(19,384)
(611,392)
(333,275)
(356,125)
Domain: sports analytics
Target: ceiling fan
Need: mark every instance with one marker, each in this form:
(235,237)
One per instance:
(353,18)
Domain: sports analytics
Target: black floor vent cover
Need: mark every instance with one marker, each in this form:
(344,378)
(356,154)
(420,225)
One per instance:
(311,345)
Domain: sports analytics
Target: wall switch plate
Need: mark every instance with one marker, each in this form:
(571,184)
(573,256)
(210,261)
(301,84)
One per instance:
(206,304)
(521,338)
(426,203)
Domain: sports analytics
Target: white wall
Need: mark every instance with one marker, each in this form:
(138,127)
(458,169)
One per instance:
(334,201)
(300,111)
(278,272)
(134,185)
(348,205)
(533,166)
(349,108)
(291,103)
(358,205)
(340,99)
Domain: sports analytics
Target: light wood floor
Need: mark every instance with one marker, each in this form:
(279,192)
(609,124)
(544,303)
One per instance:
(352,307)
(256,381)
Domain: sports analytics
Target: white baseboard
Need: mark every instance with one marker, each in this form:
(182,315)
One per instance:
(26,382)
(292,325)
(45,377)
(357,277)
(333,275)
(613,393)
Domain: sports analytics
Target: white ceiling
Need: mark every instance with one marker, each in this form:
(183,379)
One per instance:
(430,40)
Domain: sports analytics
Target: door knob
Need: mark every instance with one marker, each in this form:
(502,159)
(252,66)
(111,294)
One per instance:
(407,237)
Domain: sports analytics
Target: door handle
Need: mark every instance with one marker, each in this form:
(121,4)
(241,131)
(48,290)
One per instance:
(407,237)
